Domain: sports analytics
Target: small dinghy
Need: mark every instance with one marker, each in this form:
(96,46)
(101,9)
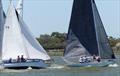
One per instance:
(87,37)
(17,41)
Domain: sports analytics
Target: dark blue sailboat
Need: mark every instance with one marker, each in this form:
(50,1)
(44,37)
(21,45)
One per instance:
(87,36)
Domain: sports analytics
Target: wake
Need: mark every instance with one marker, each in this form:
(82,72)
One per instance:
(113,65)
(56,66)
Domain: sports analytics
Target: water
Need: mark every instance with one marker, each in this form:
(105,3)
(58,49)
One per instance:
(58,69)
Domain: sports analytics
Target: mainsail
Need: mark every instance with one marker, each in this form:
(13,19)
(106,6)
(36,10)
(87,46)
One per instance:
(34,49)
(2,19)
(17,39)
(87,31)
(105,50)
(12,39)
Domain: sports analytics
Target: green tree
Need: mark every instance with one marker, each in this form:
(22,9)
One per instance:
(54,41)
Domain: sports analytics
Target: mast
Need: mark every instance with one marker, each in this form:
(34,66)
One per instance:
(10,1)
(19,7)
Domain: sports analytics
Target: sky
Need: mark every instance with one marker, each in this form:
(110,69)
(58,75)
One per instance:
(47,16)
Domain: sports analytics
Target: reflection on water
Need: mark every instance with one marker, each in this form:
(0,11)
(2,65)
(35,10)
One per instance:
(58,68)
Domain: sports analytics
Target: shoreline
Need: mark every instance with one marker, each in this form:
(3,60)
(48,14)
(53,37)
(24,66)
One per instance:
(60,53)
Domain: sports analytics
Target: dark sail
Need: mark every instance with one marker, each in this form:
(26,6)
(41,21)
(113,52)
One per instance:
(74,48)
(103,44)
(84,25)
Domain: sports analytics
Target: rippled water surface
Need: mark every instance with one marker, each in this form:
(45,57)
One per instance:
(58,69)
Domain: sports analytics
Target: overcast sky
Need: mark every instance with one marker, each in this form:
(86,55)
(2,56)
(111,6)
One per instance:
(47,16)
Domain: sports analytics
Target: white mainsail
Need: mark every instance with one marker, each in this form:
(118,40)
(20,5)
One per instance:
(34,49)
(19,7)
(18,40)
(12,38)
(2,19)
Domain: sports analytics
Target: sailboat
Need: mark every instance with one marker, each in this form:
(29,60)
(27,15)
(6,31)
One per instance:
(18,41)
(87,37)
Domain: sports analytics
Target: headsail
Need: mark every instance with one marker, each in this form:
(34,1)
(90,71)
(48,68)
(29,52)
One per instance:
(84,24)
(19,7)
(12,45)
(2,19)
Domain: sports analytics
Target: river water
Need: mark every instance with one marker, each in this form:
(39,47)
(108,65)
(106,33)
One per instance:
(58,69)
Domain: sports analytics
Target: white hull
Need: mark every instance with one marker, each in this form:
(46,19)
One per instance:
(24,65)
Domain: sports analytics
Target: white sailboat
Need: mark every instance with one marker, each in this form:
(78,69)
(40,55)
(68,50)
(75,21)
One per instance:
(18,41)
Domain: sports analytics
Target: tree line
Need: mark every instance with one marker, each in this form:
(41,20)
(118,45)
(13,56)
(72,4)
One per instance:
(54,41)
(57,40)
